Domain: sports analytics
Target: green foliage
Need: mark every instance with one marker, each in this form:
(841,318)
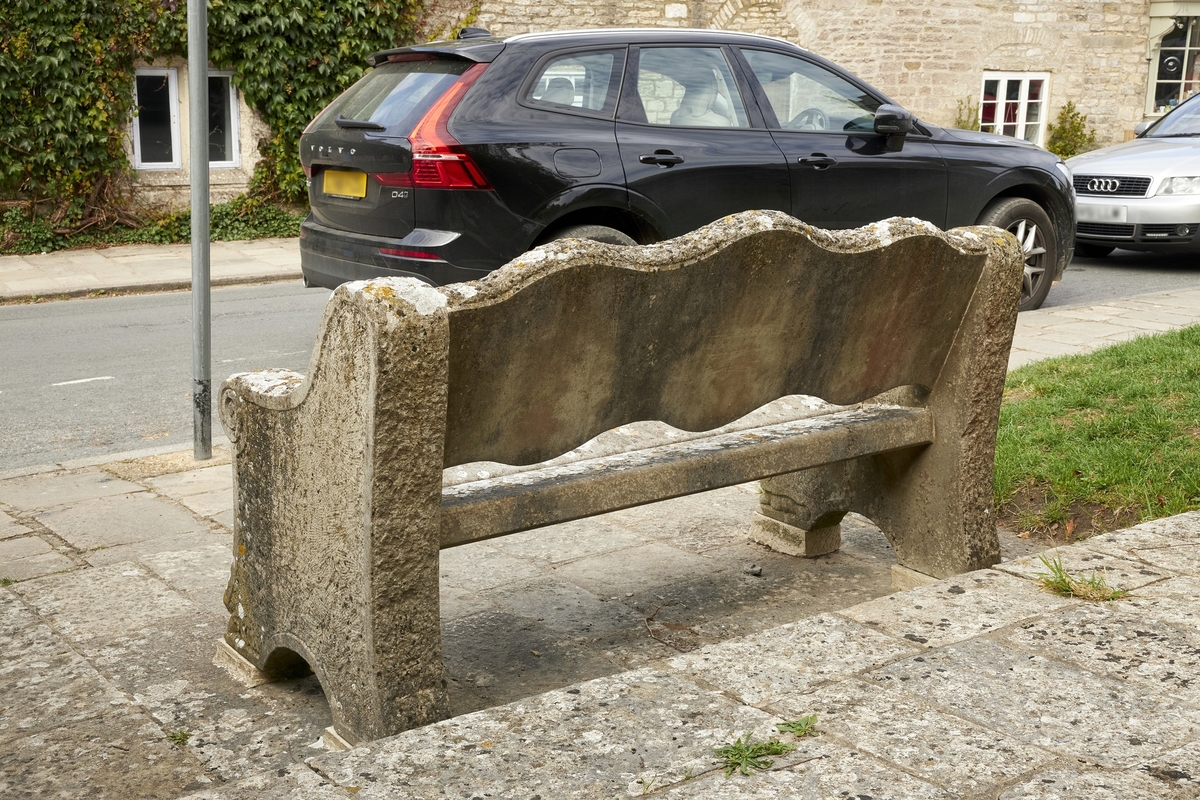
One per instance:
(179,737)
(1108,435)
(66,88)
(805,726)
(1071,135)
(1094,589)
(746,755)
(242,218)
(291,61)
(967,116)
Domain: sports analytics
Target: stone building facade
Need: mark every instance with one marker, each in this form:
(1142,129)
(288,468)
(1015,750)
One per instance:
(932,56)
(1119,62)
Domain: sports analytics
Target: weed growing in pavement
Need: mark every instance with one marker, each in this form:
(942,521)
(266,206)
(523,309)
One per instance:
(6,581)
(1094,589)
(805,726)
(746,755)
(179,737)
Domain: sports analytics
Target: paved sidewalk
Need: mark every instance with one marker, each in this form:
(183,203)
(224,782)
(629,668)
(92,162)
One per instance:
(144,268)
(605,657)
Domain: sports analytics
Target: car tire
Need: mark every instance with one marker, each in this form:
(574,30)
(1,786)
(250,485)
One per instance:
(1092,250)
(1031,225)
(595,233)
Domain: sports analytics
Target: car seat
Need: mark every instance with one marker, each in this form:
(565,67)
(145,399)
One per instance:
(696,109)
(560,91)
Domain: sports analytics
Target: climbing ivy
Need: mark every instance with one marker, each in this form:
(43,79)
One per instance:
(66,86)
(292,59)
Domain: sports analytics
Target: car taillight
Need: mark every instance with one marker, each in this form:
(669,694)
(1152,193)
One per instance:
(421,254)
(439,161)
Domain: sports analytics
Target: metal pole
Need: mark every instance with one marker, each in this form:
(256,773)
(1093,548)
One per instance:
(198,161)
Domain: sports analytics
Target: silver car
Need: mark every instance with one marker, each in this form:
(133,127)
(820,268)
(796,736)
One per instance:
(1143,194)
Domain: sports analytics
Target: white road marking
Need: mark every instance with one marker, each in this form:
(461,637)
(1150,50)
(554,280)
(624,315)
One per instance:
(85,380)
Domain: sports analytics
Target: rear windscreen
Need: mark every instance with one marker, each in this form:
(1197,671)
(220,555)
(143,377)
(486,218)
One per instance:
(394,95)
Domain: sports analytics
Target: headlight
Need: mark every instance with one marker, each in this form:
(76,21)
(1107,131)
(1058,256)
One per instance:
(1065,170)
(1180,186)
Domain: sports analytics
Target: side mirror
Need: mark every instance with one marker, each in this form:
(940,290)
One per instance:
(1142,127)
(895,123)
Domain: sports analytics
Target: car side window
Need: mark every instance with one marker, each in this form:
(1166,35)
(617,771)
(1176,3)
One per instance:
(808,97)
(584,82)
(686,87)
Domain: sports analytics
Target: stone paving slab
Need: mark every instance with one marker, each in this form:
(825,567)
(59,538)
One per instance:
(1031,687)
(123,519)
(63,489)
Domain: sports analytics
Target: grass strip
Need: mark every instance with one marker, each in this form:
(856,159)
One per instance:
(1099,441)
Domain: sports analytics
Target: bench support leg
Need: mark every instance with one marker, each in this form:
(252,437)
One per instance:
(793,540)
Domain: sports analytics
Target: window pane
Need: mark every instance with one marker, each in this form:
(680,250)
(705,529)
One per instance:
(395,95)
(1035,90)
(154,119)
(578,81)
(1170,65)
(1010,130)
(1166,97)
(1191,83)
(1011,110)
(1033,112)
(1013,90)
(1032,132)
(987,113)
(989,90)
(689,87)
(220,120)
(805,96)
(1193,24)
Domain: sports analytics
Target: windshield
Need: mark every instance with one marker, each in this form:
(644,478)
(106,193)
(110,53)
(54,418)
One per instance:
(394,95)
(1183,121)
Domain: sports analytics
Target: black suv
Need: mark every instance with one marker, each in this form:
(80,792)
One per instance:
(449,159)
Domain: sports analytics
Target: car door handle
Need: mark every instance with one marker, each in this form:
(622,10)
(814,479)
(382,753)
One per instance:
(664,158)
(818,161)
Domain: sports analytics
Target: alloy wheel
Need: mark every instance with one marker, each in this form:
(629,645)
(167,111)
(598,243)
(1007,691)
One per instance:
(1030,237)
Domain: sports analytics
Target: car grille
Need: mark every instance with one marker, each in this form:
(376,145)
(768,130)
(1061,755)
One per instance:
(1125,185)
(1107,231)
(1167,231)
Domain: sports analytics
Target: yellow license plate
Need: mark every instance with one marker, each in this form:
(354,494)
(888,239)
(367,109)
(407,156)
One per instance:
(345,184)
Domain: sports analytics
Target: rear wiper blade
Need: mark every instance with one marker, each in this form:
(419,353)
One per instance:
(363,124)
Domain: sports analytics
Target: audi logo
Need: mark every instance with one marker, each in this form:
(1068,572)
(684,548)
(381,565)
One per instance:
(1103,185)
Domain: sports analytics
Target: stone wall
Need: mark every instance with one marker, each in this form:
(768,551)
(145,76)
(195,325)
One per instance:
(926,55)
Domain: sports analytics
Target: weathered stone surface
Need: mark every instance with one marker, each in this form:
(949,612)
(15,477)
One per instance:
(825,770)
(1122,642)
(194,482)
(955,609)
(124,519)
(23,569)
(1083,562)
(115,755)
(13,549)
(106,601)
(1176,774)
(650,566)
(1045,702)
(9,527)
(40,491)
(641,725)
(574,339)
(942,748)
(1061,784)
(790,659)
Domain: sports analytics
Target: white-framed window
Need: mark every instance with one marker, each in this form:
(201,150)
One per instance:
(156,123)
(1178,74)
(222,120)
(1014,104)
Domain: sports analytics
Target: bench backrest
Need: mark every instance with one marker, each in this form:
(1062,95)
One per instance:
(578,338)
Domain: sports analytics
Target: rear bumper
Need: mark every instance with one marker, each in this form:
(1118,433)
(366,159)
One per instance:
(329,257)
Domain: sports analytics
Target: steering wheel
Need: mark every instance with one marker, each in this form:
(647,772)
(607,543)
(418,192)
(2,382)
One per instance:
(810,119)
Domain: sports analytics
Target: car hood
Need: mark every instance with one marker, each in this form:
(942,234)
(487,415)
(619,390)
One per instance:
(975,137)
(1150,156)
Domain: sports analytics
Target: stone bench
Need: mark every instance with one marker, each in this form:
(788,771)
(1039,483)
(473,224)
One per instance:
(344,492)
